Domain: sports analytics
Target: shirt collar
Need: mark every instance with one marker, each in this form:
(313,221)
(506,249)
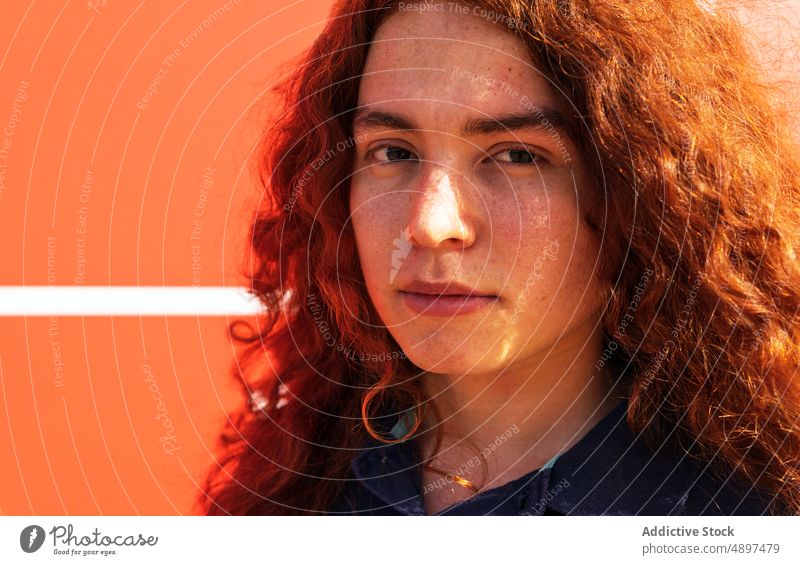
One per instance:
(608,471)
(392,473)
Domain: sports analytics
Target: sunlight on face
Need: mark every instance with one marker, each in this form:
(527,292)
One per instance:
(461,176)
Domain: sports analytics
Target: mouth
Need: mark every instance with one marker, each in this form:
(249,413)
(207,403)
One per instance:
(446,304)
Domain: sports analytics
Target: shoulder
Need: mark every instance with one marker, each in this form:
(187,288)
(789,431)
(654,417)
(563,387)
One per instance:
(355,499)
(613,471)
(711,495)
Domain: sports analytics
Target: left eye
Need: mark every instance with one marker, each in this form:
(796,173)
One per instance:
(518,157)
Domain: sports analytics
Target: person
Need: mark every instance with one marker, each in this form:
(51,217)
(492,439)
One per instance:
(527,258)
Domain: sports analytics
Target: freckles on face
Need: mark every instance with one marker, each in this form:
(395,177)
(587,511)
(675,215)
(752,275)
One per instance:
(428,204)
(539,240)
(380,241)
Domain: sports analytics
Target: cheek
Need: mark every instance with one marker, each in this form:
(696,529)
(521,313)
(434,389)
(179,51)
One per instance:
(376,226)
(547,252)
(519,229)
(370,205)
(567,261)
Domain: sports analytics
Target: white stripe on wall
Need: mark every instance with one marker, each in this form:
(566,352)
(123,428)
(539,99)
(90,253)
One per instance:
(126,301)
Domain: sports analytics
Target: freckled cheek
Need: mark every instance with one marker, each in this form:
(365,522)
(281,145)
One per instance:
(372,200)
(571,260)
(376,224)
(519,227)
(535,242)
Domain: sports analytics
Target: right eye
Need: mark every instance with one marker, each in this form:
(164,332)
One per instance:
(392,153)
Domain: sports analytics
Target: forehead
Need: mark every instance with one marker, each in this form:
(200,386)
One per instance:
(450,61)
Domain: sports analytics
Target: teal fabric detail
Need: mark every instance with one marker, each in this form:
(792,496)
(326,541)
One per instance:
(552,461)
(403,424)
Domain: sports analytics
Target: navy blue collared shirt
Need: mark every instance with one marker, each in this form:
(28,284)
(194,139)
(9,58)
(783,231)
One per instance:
(609,471)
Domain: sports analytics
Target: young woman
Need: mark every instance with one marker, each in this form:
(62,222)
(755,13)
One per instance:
(522,258)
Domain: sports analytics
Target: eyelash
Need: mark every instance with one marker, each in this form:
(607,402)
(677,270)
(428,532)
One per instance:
(536,159)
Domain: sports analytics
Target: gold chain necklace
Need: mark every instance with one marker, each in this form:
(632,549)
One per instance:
(401,428)
(458,479)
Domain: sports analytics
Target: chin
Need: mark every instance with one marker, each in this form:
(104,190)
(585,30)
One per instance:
(452,360)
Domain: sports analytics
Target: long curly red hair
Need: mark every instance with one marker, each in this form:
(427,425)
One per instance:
(698,217)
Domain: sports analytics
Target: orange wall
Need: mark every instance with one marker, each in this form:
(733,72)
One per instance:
(114,178)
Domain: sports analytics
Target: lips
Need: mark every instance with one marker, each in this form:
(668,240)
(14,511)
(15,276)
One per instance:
(445,304)
(444,298)
(452,288)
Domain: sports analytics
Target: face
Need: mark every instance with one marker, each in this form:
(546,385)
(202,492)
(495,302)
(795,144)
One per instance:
(447,191)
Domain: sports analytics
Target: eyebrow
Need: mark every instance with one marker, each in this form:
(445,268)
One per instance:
(536,117)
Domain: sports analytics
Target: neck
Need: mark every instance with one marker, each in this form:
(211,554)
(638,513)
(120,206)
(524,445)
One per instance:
(516,420)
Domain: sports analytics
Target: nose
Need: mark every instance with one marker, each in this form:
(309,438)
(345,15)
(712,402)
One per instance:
(438,215)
